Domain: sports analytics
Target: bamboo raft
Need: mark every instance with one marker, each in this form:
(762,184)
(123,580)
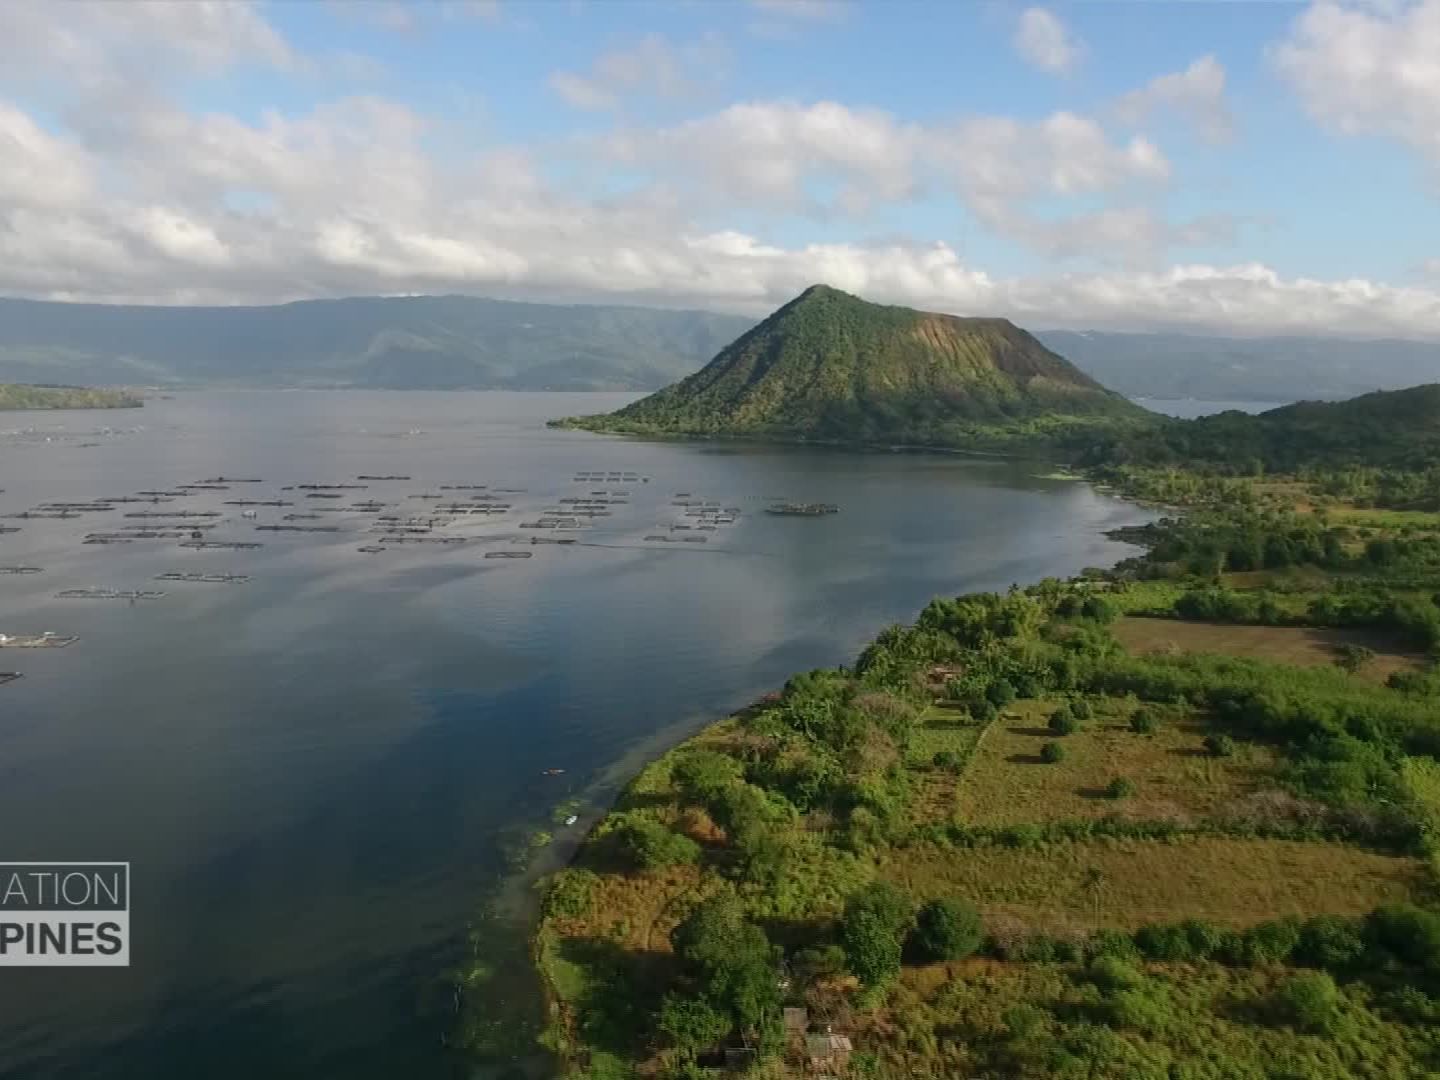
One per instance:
(47,640)
(110,594)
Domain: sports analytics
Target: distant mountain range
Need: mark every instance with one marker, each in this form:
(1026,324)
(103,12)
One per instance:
(403,343)
(832,367)
(455,342)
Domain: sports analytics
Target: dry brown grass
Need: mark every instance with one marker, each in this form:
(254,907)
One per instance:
(1298,645)
(1126,883)
(1175,780)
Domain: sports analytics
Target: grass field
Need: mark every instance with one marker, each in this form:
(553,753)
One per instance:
(1006,783)
(1382,519)
(951,1021)
(1127,883)
(1299,645)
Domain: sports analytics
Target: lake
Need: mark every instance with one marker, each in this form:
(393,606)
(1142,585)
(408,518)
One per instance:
(314,773)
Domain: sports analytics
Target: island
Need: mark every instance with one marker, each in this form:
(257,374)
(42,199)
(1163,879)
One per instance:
(24,396)
(1175,818)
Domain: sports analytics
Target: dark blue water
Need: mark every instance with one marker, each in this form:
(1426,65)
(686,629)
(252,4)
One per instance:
(312,773)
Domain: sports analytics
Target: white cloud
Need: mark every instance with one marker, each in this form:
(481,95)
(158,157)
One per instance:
(1043,41)
(651,66)
(803,10)
(1197,94)
(1369,69)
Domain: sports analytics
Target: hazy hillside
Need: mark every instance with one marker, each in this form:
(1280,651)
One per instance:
(833,367)
(1260,369)
(403,343)
(64,397)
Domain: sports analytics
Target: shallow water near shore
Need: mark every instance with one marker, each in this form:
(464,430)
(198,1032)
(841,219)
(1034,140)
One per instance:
(314,773)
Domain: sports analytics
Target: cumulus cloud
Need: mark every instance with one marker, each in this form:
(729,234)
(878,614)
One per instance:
(148,201)
(652,65)
(1197,94)
(1042,39)
(1369,69)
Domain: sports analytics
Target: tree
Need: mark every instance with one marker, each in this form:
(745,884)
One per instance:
(1120,788)
(1143,722)
(1309,1002)
(731,961)
(649,845)
(1219,745)
(1052,753)
(1353,658)
(1000,692)
(692,1024)
(946,930)
(872,932)
(1063,722)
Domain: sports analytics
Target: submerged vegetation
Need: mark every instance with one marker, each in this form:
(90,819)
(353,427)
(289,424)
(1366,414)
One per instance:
(1060,831)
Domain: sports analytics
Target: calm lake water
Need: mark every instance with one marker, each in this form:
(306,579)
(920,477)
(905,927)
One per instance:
(311,773)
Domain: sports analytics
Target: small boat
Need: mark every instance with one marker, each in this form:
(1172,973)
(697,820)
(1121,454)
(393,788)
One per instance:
(572,819)
(552,772)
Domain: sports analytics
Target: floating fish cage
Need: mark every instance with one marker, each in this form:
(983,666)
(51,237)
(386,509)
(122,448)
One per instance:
(372,549)
(110,594)
(330,487)
(47,640)
(509,554)
(382,478)
(108,540)
(422,540)
(21,569)
(552,540)
(803,509)
(298,528)
(219,545)
(208,579)
(173,514)
(258,502)
(231,480)
(9,528)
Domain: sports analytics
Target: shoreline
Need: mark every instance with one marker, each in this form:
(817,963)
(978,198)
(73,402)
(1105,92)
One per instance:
(639,761)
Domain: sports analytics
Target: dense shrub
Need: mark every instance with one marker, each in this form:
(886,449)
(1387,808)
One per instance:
(1120,788)
(1052,753)
(872,931)
(1307,1002)
(649,845)
(945,930)
(1144,722)
(570,892)
(1063,722)
(1219,745)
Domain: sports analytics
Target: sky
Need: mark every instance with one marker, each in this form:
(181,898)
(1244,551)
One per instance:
(1223,167)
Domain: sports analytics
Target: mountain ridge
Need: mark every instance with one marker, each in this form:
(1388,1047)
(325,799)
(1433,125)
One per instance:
(828,366)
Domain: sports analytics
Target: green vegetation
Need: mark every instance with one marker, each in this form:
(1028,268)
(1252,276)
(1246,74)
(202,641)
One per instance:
(14,396)
(1180,819)
(831,367)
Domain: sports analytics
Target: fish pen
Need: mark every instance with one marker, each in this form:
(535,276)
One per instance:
(803,509)
(208,579)
(48,640)
(21,569)
(110,594)
(221,545)
(173,514)
(509,554)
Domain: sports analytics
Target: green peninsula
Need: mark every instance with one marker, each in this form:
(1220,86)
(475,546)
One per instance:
(17,396)
(1175,819)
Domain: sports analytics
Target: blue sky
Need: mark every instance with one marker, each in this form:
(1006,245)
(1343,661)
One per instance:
(1231,167)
